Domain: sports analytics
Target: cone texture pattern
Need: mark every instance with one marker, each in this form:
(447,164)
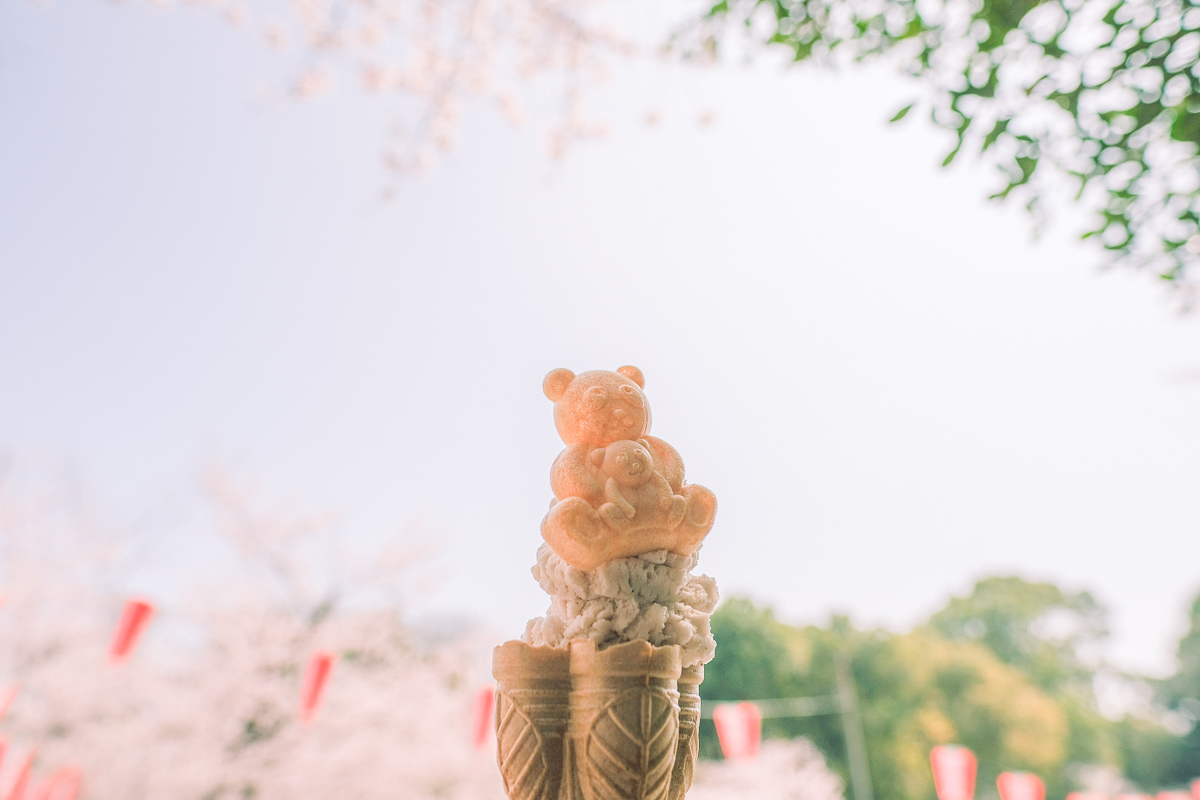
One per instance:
(532,687)
(608,721)
(632,760)
(689,736)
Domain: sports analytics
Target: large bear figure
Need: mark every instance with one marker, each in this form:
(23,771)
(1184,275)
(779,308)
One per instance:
(599,515)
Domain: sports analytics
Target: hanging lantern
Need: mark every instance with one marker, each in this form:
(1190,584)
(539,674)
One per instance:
(134,618)
(1196,789)
(1020,786)
(481,715)
(953,772)
(14,774)
(7,695)
(739,729)
(316,678)
(62,785)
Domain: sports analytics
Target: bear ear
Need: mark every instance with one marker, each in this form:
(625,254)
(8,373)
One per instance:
(557,382)
(634,374)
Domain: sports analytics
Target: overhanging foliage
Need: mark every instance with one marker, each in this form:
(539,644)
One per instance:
(1103,91)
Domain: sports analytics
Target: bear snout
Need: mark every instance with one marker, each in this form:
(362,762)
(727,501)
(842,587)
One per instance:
(622,418)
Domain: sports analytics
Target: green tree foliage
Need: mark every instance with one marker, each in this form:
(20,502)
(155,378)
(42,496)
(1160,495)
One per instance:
(1104,91)
(916,691)
(1185,685)
(1153,756)
(1051,637)
(1007,670)
(1036,627)
(1179,761)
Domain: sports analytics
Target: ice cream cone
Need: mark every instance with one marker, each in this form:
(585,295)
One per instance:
(689,738)
(533,687)
(624,728)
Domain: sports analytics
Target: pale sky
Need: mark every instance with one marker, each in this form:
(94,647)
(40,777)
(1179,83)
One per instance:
(892,390)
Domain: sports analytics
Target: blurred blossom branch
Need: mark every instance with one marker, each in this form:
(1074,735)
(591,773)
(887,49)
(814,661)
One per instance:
(272,541)
(432,57)
(302,554)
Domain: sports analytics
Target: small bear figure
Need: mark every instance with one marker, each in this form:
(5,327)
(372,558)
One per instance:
(635,494)
(593,410)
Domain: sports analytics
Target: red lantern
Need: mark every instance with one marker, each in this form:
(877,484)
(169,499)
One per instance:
(316,677)
(14,775)
(1020,786)
(7,695)
(953,772)
(1196,789)
(481,715)
(134,618)
(739,729)
(62,785)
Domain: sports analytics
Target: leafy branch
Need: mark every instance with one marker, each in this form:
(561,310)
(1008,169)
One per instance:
(1104,92)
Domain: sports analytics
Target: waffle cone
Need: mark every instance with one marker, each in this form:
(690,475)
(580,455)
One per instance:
(689,735)
(624,727)
(588,724)
(533,686)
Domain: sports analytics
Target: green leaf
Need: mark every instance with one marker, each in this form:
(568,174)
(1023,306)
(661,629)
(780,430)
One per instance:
(899,115)
(1027,165)
(1000,127)
(1186,126)
(950,156)
(1147,112)
(1068,100)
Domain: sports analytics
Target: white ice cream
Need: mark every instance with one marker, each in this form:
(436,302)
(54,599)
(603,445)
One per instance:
(653,597)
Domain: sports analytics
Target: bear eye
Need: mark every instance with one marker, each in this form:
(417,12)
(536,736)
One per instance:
(596,396)
(632,396)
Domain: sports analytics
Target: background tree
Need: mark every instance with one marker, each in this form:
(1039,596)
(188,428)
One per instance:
(1051,636)
(1178,759)
(916,690)
(1008,670)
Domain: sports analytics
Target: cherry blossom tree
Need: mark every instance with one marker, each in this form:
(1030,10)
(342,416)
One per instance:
(783,770)
(208,706)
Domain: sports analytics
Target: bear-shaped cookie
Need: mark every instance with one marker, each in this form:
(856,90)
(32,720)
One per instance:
(636,494)
(593,410)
